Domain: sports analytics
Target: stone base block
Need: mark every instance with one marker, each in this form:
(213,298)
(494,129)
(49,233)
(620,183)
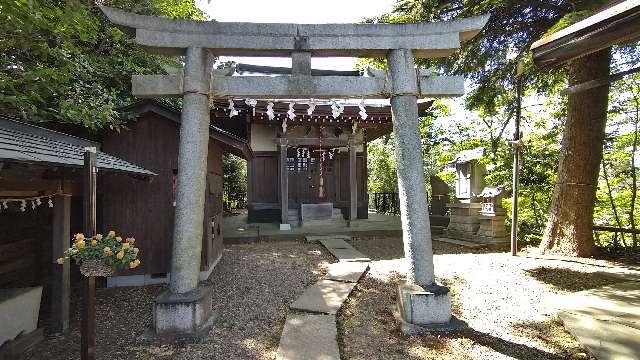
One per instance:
(186,315)
(420,306)
(285,227)
(458,234)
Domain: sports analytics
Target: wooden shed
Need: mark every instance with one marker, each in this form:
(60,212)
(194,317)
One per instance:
(147,210)
(40,183)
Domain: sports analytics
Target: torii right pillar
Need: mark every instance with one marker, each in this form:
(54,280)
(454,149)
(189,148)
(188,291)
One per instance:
(420,300)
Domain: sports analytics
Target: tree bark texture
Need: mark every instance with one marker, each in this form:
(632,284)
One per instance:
(569,229)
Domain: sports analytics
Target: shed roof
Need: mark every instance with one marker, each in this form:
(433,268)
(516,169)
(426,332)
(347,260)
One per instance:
(25,143)
(229,142)
(617,24)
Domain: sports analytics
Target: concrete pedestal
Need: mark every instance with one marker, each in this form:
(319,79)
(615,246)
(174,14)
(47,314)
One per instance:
(464,221)
(424,307)
(185,315)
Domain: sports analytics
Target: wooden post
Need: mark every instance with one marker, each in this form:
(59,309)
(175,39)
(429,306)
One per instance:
(516,162)
(284,184)
(88,331)
(60,288)
(353,181)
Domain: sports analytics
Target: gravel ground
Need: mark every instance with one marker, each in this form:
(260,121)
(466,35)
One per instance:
(253,287)
(507,303)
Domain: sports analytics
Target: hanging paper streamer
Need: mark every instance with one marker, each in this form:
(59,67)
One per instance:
(270,113)
(363,110)
(22,203)
(252,103)
(284,125)
(291,113)
(232,109)
(312,106)
(336,109)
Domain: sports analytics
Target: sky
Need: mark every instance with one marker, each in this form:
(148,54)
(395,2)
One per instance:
(296,11)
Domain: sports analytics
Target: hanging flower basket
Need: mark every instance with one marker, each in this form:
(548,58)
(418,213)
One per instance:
(102,255)
(95,268)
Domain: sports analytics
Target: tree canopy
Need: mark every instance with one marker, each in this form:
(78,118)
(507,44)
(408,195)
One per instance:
(63,61)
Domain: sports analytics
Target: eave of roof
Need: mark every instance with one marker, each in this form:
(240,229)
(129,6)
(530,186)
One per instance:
(617,24)
(231,143)
(29,144)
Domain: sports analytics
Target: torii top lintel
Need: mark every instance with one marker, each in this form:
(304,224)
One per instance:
(172,37)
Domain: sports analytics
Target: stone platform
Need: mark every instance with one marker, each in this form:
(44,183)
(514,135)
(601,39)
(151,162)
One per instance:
(605,320)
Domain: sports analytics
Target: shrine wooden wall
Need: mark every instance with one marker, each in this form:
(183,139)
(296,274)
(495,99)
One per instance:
(263,188)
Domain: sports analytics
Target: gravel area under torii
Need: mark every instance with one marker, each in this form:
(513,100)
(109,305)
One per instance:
(507,302)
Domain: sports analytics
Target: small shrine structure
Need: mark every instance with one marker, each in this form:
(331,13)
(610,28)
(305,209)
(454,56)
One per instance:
(464,219)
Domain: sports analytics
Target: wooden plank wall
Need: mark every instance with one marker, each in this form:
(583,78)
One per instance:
(263,184)
(145,209)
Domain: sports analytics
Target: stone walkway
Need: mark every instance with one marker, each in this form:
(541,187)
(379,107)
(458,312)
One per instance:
(605,320)
(311,333)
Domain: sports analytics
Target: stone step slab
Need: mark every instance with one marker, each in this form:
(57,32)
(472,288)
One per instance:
(342,250)
(317,238)
(346,271)
(309,337)
(458,242)
(325,296)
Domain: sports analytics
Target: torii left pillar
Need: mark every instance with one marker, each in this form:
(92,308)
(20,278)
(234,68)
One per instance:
(185,309)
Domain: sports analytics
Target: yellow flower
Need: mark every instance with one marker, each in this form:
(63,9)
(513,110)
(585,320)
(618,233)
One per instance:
(118,239)
(134,264)
(80,244)
(107,251)
(94,242)
(111,233)
(125,246)
(98,237)
(136,250)
(60,261)
(79,237)
(120,255)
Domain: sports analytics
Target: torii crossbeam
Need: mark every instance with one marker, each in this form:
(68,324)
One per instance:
(420,301)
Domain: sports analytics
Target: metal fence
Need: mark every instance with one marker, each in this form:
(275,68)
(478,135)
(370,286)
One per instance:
(385,203)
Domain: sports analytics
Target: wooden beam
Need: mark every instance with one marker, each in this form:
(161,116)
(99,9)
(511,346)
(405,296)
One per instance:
(284,182)
(353,181)
(330,142)
(88,329)
(60,286)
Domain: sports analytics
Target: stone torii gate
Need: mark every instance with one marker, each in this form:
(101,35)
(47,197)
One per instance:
(186,307)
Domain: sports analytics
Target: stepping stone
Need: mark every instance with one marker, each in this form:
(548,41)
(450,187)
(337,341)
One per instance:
(342,250)
(331,242)
(348,254)
(346,271)
(318,238)
(325,296)
(309,337)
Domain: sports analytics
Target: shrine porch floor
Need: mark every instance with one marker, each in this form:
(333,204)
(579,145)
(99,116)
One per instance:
(236,230)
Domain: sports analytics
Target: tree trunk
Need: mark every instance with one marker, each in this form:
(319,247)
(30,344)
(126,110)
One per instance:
(570,227)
